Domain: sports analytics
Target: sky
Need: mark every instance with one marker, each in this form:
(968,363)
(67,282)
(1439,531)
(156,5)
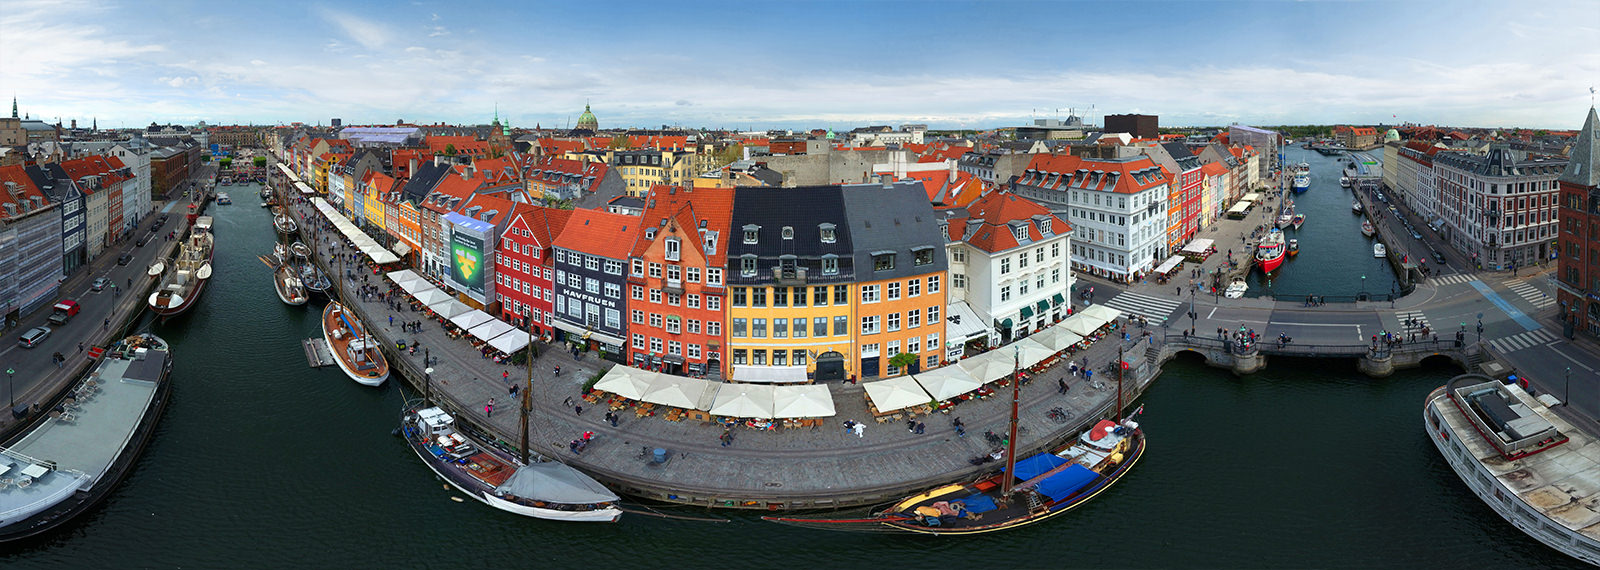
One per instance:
(802,64)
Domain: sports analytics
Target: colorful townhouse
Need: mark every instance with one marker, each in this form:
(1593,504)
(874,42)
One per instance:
(591,254)
(901,274)
(676,290)
(525,281)
(1009,261)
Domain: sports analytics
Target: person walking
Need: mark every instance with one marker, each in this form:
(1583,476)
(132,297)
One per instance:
(1062,384)
(861,430)
(488,409)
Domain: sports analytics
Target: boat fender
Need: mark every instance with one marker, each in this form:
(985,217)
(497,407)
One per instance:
(1116,457)
(395,432)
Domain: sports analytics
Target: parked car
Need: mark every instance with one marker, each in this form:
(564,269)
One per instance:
(100,284)
(144,239)
(33,337)
(125,259)
(1438,258)
(1416,235)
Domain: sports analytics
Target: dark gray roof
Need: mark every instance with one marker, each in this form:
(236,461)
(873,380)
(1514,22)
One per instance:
(422,181)
(896,219)
(804,209)
(1585,156)
(1501,161)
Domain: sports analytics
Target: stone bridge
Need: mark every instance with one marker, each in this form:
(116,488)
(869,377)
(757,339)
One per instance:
(1379,362)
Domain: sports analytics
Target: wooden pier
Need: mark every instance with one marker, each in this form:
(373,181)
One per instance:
(318,354)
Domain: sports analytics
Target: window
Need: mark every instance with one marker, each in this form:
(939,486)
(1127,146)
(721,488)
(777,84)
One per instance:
(673,249)
(1005,265)
(780,296)
(655,344)
(1022,287)
(714,328)
(799,296)
(694,351)
(739,328)
(694,326)
(655,320)
(694,301)
(740,298)
(839,325)
(958,280)
(713,302)
(933,342)
(613,319)
(894,322)
(957,254)
(1020,232)
(933,314)
(714,276)
(830,264)
(788,232)
(758,328)
(750,233)
(869,324)
(819,296)
(613,291)
(638,293)
(883,262)
(922,256)
(1055,275)
(655,270)
(759,357)
(913,318)
(894,291)
(674,325)
(819,326)
(780,328)
(914,344)
(638,341)
(841,294)
(933,360)
(591,263)
(1038,254)
(747,266)
(655,295)
(869,350)
(758,297)
(674,299)
(798,357)
(933,284)
(674,273)
(638,316)
(739,356)
(561,255)
(694,274)
(613,267)
(913,287)
(780,358)
(827,231)
(591,285)
(869,293)
(1055,249)
(1005,293)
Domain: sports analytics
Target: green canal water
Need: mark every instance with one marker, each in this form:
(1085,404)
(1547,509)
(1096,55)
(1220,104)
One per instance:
(262,462)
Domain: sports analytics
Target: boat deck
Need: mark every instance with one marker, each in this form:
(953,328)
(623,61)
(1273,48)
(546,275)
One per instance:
(88,440)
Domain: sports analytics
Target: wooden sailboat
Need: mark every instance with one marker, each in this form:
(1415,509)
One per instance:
(1025,492)
(287,283)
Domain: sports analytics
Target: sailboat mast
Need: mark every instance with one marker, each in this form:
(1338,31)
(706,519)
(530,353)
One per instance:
(1119,383)
(1011,442)
(527,398)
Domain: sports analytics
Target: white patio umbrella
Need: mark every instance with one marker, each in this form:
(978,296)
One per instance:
(989,366)
(1102,313)
(471,319)
(449,308)
(802,401)
(626,381)
(743,401)
(1079,324)
(896,394)
(676,391)
(491,328)
(947,382)
(1030,352)
(431,296)
(1056,338)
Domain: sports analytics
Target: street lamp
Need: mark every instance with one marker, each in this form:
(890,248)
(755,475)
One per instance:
(1566,399)
(11,388)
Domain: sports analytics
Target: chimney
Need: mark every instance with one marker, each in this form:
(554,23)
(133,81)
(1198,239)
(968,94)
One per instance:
(413,170)
(887,180)
(465,175)
(952,164)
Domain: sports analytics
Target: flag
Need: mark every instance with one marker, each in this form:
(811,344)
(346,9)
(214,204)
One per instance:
(1139,411)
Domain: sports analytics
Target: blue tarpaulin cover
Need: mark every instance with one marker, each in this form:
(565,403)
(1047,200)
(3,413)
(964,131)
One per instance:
(1037,465)
(979,503)
(1068,481)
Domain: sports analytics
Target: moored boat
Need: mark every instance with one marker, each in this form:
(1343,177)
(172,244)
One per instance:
(1270,251)
(1294,247)
(299,249)
(1236,289)
(281,252)
(73,458)
(540,489)
(1284,220)
(1298,220)
(185,278)
(313,279)
(1302,176)
(286,281)
(355,353)
(223,199)
(1367,229)
(1378,250)
(1355,206)
(285,224)
(1344,181)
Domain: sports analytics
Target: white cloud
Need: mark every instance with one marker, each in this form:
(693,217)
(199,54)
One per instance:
(369,34)
(257,62)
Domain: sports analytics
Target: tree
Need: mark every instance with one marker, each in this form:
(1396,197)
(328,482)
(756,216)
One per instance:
(225,163)
(619,142)
(903,360)
(450,150)
(260,161)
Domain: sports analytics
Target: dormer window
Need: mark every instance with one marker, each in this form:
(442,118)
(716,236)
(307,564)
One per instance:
(750,233)
(673,249)
(1044,227)
(922,256)
(711,243)
(788,232)
(882,261)
(830,264)
(747,265)
(1020,232)
(827,231)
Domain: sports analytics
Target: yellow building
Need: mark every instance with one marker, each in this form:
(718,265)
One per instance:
(789,323)
(643,169)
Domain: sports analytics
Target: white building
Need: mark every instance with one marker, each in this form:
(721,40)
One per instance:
(1008,263)
(1500,208)
(1117,207)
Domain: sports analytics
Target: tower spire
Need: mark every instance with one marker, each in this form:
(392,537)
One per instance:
(13,106)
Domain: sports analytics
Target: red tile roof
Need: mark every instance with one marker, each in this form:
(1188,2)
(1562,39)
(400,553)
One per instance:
(544,223)
(15,174)
(599,233)
(994,213)
(1213,168)
(561,146)
(1060,171)
(687,207)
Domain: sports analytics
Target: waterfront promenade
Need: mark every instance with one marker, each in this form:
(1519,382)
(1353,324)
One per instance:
(825,466)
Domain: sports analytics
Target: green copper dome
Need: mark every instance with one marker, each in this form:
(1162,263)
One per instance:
(587,120)
(1392,135)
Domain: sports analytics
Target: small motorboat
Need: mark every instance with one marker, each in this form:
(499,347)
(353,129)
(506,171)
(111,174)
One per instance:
(299,249)
(1355,206)
(1235,289)
(280,251)
(1378,250)
(223,199)
(285,224)
(1294,247)
(1298,220)
(1284,220)
(1344,181)
(1367,229)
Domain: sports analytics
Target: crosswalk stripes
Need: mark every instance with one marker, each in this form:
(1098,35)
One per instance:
(1531,293)
(1452,279)
(1404,316)
(1153,308)
(1522,340)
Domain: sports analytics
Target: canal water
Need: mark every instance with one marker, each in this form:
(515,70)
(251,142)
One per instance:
(1334,259)
(262,462)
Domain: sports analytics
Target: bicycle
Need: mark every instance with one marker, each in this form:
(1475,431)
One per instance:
(1058,415)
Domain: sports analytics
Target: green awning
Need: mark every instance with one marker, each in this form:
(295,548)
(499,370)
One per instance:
(1005,324)
(1057,300)
(1044,307)
(1027,312)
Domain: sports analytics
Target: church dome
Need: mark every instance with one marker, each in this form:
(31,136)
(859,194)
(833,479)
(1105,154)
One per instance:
(1392,135)
(586,121)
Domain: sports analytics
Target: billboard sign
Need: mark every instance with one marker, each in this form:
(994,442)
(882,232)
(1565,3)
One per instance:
(469,260)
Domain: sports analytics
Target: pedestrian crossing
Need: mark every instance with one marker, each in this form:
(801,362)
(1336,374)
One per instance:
(1153,308)
(1452,279)
(1422,320)
(1531,293)
(1520,341)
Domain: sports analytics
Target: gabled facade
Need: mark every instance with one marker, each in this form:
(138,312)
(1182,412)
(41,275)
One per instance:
(1117,207)
(524,283)
(1501,208)
(590,276)
(901,274)
(30,245)
(54,183)
(1010,261)
(676,291)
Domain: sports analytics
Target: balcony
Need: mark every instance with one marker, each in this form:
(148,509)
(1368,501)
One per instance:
(674,286)
(789,275)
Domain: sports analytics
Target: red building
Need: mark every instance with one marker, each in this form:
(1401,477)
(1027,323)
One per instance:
(526,267)
(675,313)
(1578,271)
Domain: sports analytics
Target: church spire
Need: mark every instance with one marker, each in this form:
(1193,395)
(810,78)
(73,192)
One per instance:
(1585,155)
(13,106)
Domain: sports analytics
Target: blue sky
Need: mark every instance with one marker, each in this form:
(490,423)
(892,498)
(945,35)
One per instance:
(796,63)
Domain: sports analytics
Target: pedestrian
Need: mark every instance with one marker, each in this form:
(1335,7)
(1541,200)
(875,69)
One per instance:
(861,430)
(488,409)
(726,437)
(1062,383)
(614,419)
(80,347)
(558,371)
(573,445)
(920,428)
(106,324)
(588,435)
(505,375)
(578,410)
(849,425)
(391,320)
(514,388)
(1088,374)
